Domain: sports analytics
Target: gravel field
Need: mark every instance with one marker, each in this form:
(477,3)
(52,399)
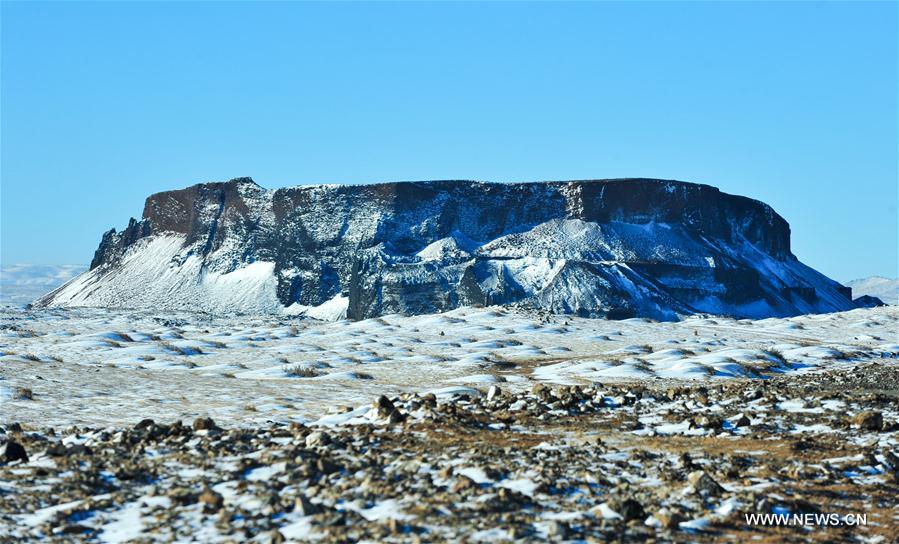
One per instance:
(791,416)
(601,463)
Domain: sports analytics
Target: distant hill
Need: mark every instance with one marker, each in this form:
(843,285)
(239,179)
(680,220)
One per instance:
(22,283)
(885,289)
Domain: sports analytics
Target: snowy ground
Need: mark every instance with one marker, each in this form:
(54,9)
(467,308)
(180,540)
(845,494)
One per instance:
(101,367)
(599,430)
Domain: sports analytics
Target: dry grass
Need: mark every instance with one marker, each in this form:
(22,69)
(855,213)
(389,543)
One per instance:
(23,393)
(301,371)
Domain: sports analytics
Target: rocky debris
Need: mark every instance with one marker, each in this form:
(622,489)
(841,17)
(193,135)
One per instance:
(384,409)
(557,530)
(144,424)
(628,508)
(11,451)
(304,507)
(741,421)
(203,424)
(706,421)
(869,420)
(493,392)
(669,519)
(317,438)
(556,463)
(464,484)
(704,484)
(211,500)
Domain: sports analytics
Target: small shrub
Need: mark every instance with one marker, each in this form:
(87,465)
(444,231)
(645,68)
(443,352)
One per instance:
(181,351)
(171,347)
(501,363)
(842,355)
(301,371)
(643,365)
(776,355)
(23,393)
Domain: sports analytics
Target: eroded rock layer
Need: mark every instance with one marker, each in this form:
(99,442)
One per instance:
(605,248)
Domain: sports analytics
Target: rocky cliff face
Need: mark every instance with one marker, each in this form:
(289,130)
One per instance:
(604,248)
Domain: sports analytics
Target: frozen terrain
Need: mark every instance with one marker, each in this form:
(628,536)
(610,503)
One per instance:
(475,425)
(101,367)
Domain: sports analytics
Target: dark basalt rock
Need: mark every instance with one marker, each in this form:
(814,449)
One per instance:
(616,248)
(10,451)
(867,301)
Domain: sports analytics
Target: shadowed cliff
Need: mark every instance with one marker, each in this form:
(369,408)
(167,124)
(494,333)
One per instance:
(605,248)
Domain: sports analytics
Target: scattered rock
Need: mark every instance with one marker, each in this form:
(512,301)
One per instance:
(669,520)
(317,438)
(868,421)
(464,483)
(304,507)
(204,424)
(144,424)
(706,422)
(384,407)
(704,484)
(211,500)
(182,496)
(557,530)
(741,421)
(326,467)
(554,458)
(628,508)
(493,392)
(11,451)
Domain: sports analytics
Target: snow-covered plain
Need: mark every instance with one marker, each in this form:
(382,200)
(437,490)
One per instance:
(103,367)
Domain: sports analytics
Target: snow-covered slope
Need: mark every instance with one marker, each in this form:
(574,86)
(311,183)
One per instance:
(885,289)
(614,248)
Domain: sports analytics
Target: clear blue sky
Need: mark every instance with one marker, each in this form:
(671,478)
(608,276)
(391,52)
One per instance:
(794,104)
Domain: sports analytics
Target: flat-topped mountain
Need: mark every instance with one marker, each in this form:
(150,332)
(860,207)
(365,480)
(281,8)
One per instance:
(605,248)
